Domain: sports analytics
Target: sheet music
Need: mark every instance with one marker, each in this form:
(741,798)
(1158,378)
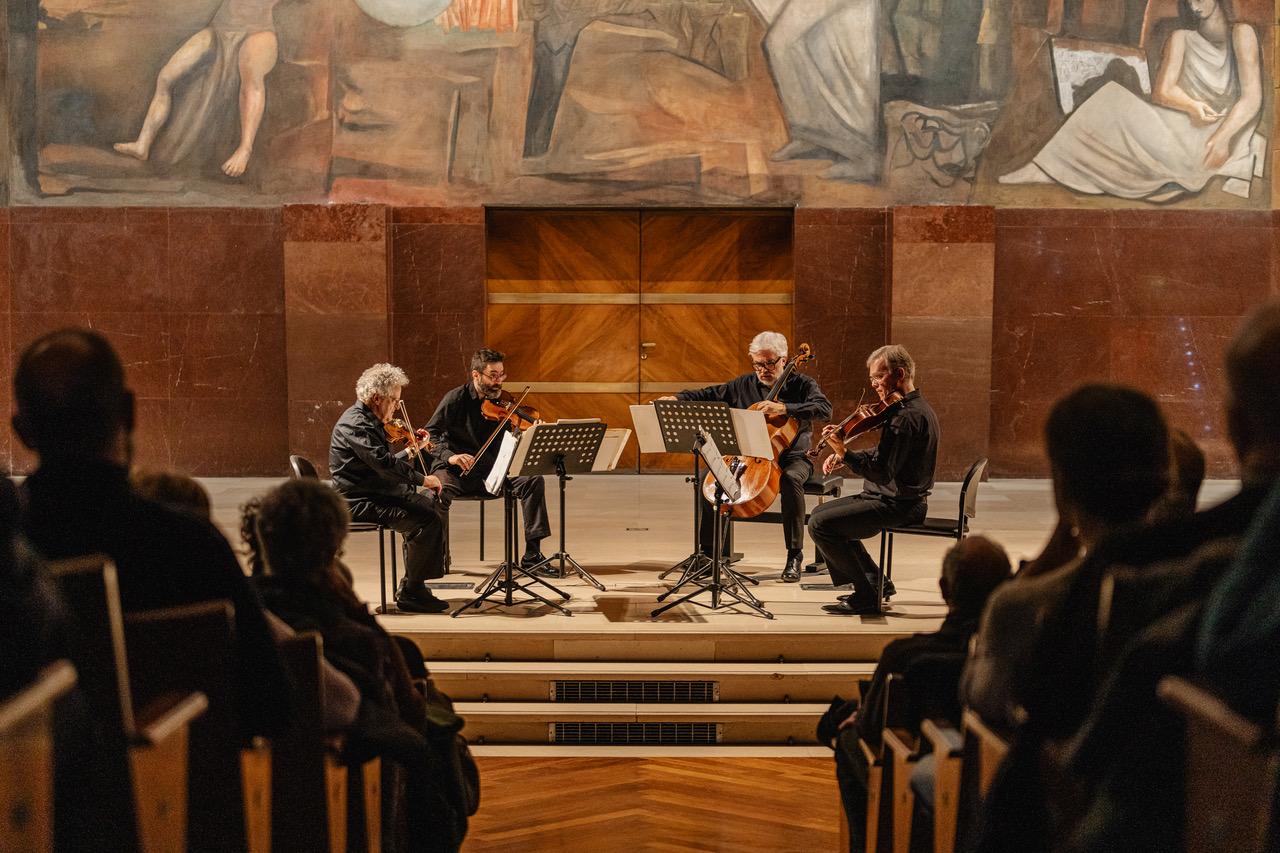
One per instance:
(715,464)
(648,433)
(501,465)
(615,440)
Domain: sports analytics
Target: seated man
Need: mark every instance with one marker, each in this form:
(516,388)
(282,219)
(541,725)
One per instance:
(801,398)
(74,411)
(458,430)
(382,487)
(897,478)
(971,570)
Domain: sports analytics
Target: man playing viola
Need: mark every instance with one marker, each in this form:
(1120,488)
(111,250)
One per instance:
(458,429)
(799,398)
(382,487)
(897,477)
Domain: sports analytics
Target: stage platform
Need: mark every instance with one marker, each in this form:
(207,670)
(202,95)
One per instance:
(770,677)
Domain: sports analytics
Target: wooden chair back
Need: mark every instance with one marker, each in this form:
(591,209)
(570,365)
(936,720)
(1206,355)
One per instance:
(1239,817)
(192,647)
(26,774)
(142,765)
(983,751)
(310,788)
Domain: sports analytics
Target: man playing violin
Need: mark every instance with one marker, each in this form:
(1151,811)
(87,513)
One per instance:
(459,428)
(897,477)
(382,486)
(799,398)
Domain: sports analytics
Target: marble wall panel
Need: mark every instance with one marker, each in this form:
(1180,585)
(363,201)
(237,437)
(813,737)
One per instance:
(1145,298)
(225,261)
(336,309)
(437,298)
(235,437)
(943,268)
(841,295)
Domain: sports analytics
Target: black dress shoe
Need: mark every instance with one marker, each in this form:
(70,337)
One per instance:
(421,601)
(845,608)
(531,559)
(889,589)
(791,573)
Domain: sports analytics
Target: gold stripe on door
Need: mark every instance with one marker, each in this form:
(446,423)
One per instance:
(510,298)
(515,387)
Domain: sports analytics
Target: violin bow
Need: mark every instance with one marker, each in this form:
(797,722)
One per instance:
(413,439)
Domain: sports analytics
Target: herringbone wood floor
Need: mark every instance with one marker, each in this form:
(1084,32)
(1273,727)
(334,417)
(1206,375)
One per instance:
(788,805)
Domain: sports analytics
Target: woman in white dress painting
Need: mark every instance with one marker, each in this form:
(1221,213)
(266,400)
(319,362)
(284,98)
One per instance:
(1200,122)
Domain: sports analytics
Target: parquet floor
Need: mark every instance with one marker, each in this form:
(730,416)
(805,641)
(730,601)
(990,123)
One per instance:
(787,805)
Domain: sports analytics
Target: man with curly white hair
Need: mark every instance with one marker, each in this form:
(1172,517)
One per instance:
(381,486)
(799,397)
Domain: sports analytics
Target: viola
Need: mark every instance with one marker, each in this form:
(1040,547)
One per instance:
(761,479)
(864,419)
(505,409)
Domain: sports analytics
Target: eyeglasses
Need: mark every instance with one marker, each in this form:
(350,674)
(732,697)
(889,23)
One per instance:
(765,365)
(495,377)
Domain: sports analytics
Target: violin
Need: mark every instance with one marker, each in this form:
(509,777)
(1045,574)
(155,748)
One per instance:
(397,431)
(505,409)
(864,419)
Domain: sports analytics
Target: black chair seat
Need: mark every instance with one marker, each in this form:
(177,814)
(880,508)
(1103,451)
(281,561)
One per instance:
(928,527)
(826,485)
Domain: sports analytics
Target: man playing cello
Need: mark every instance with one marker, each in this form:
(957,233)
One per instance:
(799,398)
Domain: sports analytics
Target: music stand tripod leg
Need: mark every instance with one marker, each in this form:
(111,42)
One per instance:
(697,559)
(562,556)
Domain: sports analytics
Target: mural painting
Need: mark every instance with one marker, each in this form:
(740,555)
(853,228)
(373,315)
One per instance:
(718,102)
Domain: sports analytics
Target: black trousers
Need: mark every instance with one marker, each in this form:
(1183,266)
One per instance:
(852,774)
(530,491)
(837,528)
(420,519)
(796,469)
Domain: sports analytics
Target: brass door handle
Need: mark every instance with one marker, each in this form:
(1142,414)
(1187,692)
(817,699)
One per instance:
(645,346)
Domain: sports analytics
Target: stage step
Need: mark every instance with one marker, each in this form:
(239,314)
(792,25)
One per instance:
(534,681)
(730,723)
(846,641)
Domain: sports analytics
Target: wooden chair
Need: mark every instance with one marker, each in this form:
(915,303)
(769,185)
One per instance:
(1231,767)
(193,648)
(308,781)
(983,750)
(947,747)
(889,796)
(26,774)
(144,756)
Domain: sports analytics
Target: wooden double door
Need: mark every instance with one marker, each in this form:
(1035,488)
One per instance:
(597,310)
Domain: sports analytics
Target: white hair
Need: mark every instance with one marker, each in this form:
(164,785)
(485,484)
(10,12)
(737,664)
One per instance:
(895,356)
(768,342)
(379,380)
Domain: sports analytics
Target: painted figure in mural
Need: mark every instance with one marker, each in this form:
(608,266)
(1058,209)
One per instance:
(240,48)
(1201,121)
(825,60)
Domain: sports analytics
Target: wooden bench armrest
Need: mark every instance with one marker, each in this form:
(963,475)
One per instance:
(53,681)
(902,744)
(984,731)
(870,754)
(946,740)
(1197,703)
(160,718)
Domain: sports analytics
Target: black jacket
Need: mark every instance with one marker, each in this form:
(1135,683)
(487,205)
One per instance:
(361,462)
(801,395)
(164,558)
(900,467)
(457,426)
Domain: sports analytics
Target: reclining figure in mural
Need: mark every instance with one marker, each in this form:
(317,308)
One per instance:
(1201,121)
(239,47)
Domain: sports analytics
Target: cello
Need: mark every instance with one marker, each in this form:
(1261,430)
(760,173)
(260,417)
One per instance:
(760,479)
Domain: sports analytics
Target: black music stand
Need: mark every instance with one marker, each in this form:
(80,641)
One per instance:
(679,422)
(722,581)
(510,576)
(562,449)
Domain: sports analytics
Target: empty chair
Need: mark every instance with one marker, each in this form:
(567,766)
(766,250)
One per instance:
(942,526)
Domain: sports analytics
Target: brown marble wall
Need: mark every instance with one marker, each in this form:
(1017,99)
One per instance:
(437,298)
(1146,298)
(192,300)
(942,283)
(336,299)
(842,267)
